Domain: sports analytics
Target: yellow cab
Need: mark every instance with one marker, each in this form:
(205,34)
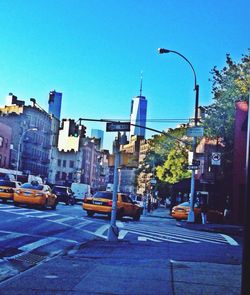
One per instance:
(35,193)
(7,188)
(101,202)
(180,212)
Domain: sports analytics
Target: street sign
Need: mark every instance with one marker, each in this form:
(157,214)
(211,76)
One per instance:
(195,131)
(216,159)
(118,126)
(193,167)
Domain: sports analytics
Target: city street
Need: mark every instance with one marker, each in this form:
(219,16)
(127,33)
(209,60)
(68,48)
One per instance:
(30,237)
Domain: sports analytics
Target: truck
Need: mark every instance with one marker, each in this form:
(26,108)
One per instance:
(80,190)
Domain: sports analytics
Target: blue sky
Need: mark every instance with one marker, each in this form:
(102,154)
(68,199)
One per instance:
(94,51)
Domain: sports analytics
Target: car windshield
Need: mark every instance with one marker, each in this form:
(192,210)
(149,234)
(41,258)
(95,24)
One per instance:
(8,183)
(103,195)
(185,204)
(38,187)
(59,189)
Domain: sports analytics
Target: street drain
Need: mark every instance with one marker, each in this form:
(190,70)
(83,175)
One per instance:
(29,258)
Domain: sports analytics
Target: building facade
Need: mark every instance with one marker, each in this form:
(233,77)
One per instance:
(138,116)
(33,134)
(5,145)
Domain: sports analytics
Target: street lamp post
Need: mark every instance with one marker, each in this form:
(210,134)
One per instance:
(191,217)
(19,147)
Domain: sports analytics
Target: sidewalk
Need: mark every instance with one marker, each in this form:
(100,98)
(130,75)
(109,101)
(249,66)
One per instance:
(124,268)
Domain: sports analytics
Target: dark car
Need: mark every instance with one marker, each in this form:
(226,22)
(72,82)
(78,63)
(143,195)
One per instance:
(64,194)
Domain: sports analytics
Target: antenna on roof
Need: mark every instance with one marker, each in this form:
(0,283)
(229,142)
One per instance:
(141,84)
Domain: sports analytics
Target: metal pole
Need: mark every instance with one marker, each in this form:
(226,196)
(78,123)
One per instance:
(245,287)
(191,217)
(113,231)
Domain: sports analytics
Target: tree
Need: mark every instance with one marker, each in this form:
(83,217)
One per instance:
(229,85)
(172,171)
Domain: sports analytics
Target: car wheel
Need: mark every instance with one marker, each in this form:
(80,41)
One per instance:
(90,213)
(4,201)
(137,216)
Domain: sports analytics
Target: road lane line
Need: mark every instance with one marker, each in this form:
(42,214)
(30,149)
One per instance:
(9,236)
(230,240)
(61,220)
(122,234)
(101,230)
(144,239)
(37,244)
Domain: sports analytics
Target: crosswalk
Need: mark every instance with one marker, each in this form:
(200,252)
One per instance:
(127,230)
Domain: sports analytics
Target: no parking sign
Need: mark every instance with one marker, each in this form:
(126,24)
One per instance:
(216,158)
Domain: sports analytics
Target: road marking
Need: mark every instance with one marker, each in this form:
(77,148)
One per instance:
(47,215)
(28,212)
(61,220)
(230,240)
(37,244)
(122,234)
(154,237)
(101,230)
(10,235)
(144,239)
(82,224)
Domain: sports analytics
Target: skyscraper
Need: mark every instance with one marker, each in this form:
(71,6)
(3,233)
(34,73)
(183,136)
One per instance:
(98,134)
(55,102)
(138,114)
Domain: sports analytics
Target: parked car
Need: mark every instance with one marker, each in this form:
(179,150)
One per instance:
(64,194)
(7,188)
(35,194)
(180,212)
(101,202)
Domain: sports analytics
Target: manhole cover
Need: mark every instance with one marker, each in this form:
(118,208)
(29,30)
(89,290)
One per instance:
(29,258)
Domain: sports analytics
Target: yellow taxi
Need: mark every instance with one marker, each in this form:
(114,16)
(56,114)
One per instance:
(7,188)
(37,194)
(101,203)
(180,212)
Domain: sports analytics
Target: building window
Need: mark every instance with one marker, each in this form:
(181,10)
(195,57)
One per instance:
(64,176)
(58,175)
(71,164)
(1,141)
(70,176)
(59,162)
(64,163)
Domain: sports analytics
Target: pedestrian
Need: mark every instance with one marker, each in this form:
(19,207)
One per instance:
(227,210)
(149,204)
(178,198)
(204,209)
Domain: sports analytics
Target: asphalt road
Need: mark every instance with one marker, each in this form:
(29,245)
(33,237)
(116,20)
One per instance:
(29,236)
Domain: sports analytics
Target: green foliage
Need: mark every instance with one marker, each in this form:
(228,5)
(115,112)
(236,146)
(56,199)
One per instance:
(172,170)
(229,85)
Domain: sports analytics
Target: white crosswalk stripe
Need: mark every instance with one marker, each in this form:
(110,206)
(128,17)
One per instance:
(180,235)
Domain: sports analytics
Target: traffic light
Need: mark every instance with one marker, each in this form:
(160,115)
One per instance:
(83,131)
(76,131)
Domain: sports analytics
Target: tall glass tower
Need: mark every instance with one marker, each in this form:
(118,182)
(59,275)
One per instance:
(138,114)
(55,102)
